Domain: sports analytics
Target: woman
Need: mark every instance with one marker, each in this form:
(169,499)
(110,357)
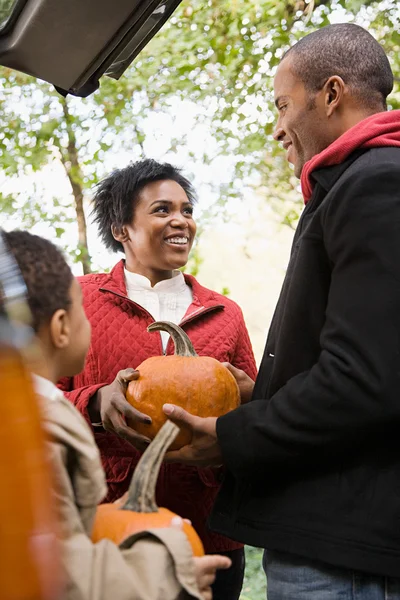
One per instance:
(146,211)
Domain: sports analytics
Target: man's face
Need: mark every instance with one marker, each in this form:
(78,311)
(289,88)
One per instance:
(302,125)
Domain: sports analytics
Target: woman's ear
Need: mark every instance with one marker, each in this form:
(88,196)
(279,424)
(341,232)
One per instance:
(335,89)
(60,329)
(120,233)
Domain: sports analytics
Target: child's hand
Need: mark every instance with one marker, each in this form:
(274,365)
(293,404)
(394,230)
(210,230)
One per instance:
(206,568)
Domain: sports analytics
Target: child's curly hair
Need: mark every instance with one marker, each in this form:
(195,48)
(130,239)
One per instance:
(46,273)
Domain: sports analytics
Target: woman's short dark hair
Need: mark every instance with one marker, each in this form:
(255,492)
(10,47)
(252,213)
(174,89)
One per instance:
(47,276)
(117,195)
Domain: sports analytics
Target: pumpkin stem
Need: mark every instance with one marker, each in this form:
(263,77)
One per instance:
(183,345)
(142,489)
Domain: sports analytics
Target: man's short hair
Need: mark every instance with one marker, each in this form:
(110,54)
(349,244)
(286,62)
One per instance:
(349,51)
(47,276)
(117,195)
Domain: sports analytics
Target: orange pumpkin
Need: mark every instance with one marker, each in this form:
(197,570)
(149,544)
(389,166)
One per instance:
(28,550)
(120,520)
(200,384)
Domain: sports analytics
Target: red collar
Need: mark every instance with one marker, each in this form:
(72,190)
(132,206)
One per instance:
(202,296)
(381,129)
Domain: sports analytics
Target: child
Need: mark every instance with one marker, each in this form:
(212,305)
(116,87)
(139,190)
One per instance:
(158,565)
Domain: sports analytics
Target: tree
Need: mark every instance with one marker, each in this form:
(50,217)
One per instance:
(5,9)
(222,56)
(39,126)
(218,56)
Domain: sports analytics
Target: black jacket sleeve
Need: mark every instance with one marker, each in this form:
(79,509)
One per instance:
(354,388)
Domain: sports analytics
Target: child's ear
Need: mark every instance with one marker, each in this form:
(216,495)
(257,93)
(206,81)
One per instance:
(60,329)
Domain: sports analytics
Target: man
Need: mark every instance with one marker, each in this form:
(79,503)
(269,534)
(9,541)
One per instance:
(314,460)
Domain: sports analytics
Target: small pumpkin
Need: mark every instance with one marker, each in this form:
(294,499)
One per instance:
(199,384)
(120,520)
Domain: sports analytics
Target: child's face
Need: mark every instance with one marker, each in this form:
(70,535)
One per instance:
(80,331)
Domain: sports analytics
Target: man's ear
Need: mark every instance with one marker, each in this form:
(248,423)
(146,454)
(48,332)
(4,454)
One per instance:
(334,92)
(60,329)
(120,233)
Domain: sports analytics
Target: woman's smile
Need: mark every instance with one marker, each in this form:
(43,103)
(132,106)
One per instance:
(177,240)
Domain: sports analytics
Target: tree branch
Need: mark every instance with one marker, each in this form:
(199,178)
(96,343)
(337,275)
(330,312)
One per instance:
(70,161)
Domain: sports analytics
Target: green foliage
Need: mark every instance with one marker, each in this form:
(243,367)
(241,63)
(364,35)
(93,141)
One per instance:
(193,265)
(254,585)
(217,55)
(222,56)
(5,10)
(38,127)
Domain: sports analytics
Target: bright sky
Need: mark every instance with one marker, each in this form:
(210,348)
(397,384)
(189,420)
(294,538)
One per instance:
(51,181)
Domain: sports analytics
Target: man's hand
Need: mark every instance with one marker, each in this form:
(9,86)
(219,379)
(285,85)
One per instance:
(204,450)
(116,414)
(245,383)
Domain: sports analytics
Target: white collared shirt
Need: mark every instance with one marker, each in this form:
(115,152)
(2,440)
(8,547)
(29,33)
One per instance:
(46,388)
(168,300)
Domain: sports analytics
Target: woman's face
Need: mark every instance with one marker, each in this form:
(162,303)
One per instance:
(161,234)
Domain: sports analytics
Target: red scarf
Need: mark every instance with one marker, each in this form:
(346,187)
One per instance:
(381,129)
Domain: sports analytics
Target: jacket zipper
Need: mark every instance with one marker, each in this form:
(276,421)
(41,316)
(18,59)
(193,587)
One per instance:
(299,230)
(139,306)
(306,210)
(191,317)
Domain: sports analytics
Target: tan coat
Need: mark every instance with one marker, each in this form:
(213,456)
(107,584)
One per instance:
(157,565)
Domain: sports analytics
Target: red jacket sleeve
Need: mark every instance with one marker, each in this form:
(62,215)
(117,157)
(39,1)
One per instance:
(79,397)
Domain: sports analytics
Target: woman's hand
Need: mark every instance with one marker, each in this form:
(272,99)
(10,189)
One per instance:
(245,383)
(115,412)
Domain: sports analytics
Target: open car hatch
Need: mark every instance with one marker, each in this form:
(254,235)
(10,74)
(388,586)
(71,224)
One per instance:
(72,43)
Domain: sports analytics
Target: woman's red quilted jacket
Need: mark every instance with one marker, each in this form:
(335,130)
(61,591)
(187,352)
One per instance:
(120,340)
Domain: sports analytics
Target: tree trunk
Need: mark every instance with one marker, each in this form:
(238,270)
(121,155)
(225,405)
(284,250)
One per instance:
(70,160)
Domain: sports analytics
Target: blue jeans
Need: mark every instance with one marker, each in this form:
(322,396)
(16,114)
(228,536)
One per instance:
(291,577)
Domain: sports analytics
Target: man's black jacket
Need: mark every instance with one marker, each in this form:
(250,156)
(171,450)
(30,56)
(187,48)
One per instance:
(314,459)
